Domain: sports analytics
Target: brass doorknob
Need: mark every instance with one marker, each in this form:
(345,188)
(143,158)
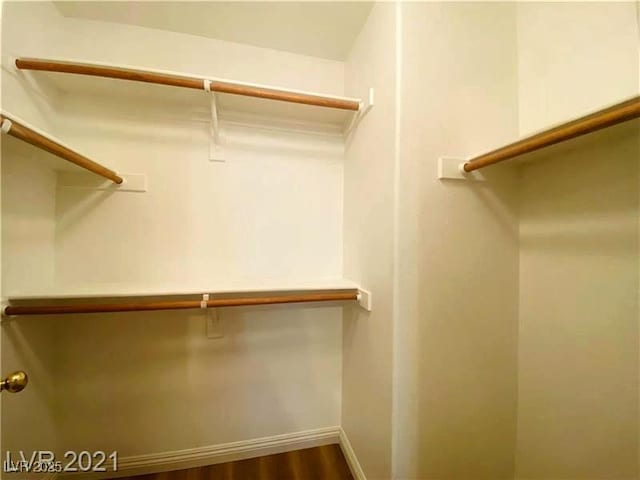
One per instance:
(15,382)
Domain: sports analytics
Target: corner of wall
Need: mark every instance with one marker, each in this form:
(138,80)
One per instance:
(369,182)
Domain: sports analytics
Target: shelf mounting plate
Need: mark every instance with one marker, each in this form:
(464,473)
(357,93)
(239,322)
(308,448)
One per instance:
(450,168)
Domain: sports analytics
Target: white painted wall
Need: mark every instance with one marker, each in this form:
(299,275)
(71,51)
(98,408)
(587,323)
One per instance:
(574,58)
(306,185)
(29,100)
(272,211)
(28,237)
(456,387)
(29,217)
(368,246)
(456,343)
(318,29)
(28,226)
(148,383)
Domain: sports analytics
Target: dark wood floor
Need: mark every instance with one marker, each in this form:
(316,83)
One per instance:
(319,463)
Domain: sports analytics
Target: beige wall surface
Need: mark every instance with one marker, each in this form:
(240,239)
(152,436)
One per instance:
(28,418)
(368,246)
(503,342)
(578,362)
(578,345)
(28,222)
(154,383)
(456,345)
(28,421)
(574,58)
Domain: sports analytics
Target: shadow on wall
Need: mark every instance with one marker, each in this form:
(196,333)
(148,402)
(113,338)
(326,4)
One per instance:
(581,196)
(529,284)
(182,118)
(466,374)
(28,417)
(579,309)
(84,201)
(44,97)
(144,383)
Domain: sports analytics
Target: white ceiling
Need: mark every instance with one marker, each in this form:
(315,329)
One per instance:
(320,29)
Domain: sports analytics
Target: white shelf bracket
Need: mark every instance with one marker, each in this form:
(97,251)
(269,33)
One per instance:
(365,107)
(215,154)
(132,182)
(204,301)
(451,168)
(213,325)
(6,125)
(364,299)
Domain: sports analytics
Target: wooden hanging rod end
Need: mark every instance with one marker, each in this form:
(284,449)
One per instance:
(6,125)
(5,310)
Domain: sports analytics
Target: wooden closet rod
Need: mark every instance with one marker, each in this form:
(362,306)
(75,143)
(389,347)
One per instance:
(178,305)
(26,134)
(608,117)
(185,82)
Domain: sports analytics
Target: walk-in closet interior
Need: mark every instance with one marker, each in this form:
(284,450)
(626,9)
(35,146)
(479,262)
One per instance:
(405,232)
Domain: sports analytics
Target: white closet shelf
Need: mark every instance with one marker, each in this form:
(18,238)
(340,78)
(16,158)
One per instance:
(67,302)
(452,168)
(85,77)
(12,125)
(116,290)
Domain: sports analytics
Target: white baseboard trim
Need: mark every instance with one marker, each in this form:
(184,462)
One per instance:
(221,453)
(350,455)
